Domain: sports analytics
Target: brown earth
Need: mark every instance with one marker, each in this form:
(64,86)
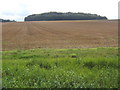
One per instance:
(59,34)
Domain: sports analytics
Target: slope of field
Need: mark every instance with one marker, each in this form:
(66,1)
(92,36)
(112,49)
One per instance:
(59,34)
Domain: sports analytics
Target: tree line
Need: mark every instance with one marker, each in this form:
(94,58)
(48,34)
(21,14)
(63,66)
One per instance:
(7,20)
(49,16)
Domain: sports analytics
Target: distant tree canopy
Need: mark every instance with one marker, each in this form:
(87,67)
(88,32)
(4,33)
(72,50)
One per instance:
(63,16)
(7,20)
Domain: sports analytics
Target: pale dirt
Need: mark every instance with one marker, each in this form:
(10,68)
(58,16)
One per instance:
(59,34)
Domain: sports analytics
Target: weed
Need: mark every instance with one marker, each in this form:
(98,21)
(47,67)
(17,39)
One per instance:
(61,68)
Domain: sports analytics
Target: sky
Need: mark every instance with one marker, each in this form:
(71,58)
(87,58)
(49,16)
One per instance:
(18,9)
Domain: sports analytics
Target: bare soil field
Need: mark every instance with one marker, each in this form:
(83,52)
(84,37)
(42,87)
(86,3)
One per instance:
(59,34)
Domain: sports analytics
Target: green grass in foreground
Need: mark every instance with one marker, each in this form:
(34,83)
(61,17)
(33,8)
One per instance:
(61,68)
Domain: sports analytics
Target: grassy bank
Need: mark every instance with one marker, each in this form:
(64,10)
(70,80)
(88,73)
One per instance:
(61,68)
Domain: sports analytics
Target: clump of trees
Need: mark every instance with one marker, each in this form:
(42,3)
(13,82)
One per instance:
(7,20)
(63,16)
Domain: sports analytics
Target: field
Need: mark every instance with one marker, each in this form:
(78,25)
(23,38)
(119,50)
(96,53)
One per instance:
(60,54)
(60,34)
(61,68)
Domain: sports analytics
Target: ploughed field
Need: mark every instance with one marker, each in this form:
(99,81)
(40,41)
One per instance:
(59,34)
(68,54)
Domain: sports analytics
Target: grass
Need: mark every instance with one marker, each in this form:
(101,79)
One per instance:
(61,68)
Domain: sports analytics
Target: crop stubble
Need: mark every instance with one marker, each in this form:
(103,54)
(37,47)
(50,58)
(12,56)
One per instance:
(59,34)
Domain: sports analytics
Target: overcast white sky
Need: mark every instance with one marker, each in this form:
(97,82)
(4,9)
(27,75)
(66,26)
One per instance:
(18,9)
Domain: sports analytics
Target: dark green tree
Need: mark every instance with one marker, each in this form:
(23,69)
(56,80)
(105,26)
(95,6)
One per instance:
(63,16)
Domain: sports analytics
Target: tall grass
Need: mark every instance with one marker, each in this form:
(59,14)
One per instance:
(61,68)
